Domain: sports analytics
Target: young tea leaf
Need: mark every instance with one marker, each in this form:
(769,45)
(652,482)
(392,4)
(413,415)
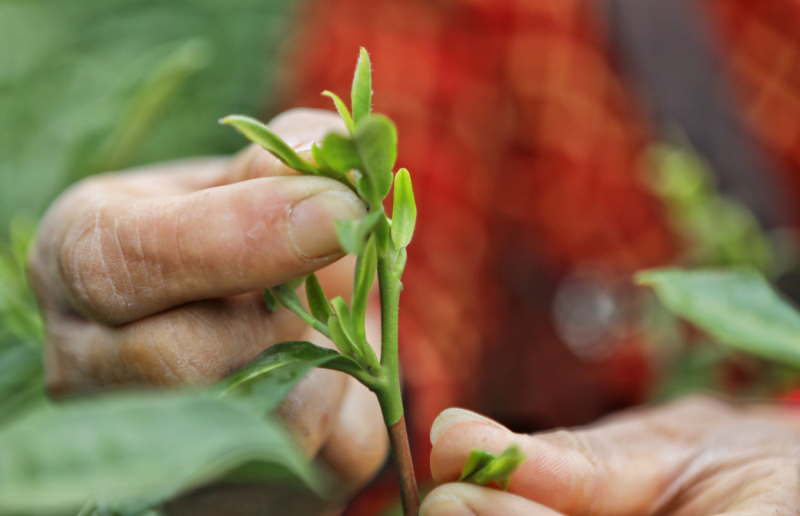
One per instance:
(343,341)
(259,133)
(487,468)
(340,153)
(270,301)
(353,234)
(266,380)
(320,308)
(324,166)
(376,143)
(404,213)
(288,298)
(366,268)
(737,307)
(343,112)
(361,93)
(399,263)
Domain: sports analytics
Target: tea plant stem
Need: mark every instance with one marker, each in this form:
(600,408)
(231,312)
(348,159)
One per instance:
(389,394)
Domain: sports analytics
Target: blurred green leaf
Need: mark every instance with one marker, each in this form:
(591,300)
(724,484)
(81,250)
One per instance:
(261,134)
(376,143)
(737,307)
(361,93)
(343,112)
(404,212)
(133,448)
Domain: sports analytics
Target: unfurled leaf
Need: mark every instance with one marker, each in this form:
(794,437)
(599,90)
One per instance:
(265,381)
(339,152)
(366,267)
(404,212)
(376,143)
(320,308)
(343,112)
(270,301)
(134,449)
(361,93)
(353,234)
(483,467)
(259,133)
(737,307)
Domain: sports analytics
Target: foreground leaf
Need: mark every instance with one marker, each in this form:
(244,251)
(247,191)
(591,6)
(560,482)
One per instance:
(737,307)
(339,152)
(133,448)
(259,133)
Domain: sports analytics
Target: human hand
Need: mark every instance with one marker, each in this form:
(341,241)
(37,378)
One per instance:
(154,277)
(695,457)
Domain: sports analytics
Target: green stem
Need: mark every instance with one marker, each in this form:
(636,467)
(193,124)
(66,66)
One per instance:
(388,392)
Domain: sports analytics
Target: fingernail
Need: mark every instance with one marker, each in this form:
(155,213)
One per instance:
(311,228)
(444,505)
(451,416)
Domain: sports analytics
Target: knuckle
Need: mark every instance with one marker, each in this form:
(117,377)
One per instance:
(89,262)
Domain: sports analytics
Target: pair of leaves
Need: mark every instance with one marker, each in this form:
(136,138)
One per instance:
(483,467)
(133,450)
(737,307)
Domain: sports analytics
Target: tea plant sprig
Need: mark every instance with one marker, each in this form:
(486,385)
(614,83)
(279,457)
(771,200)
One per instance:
(363,160)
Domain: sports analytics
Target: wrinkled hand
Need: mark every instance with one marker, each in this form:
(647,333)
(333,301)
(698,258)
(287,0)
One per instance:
(695,457)
(154,276)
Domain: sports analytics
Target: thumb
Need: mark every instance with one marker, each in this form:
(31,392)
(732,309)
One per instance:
(620,467)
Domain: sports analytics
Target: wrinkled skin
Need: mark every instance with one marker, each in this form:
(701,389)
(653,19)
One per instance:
(153,277)
(695,457)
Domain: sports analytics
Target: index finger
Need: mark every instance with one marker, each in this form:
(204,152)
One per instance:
(122,247)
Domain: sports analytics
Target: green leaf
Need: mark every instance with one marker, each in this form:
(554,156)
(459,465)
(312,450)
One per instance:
(343,112)
(486,468)
(366,267)
(270,301)
(399,263)
(323,165)
(344,340)
(376,143)
(288,297)
(404,213)
(133,448)
(339,152)
(737,307)
(361,93)
(352,234)
(259,133)
(477,459)
(320,308)
(266,380)
(382,231)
